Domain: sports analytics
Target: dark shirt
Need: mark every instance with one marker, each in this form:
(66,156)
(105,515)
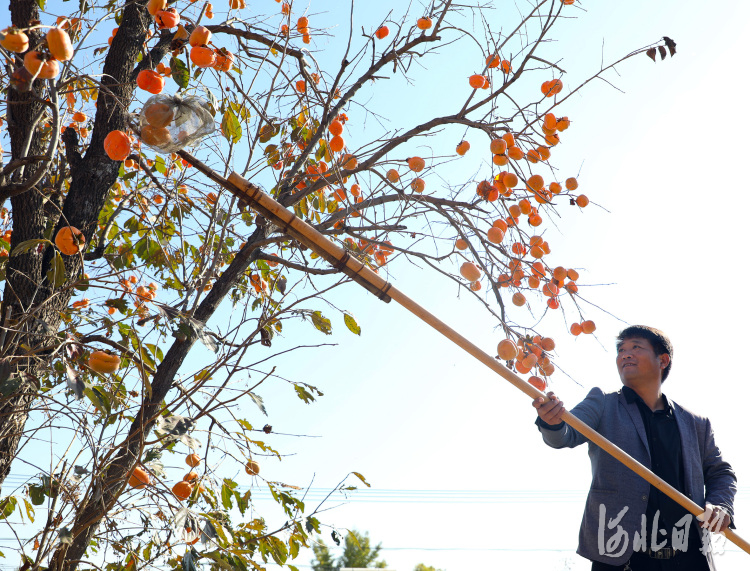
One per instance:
(665,447)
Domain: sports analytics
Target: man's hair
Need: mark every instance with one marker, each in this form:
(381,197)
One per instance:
(660,343)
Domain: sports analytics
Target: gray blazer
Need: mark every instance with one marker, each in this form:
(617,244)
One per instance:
(708,478)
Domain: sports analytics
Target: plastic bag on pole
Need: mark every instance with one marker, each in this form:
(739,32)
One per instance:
(171,122)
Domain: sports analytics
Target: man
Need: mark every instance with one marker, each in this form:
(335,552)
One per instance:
(627,523)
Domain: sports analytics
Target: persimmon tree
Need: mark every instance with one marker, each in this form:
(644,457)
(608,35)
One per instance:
(121,259)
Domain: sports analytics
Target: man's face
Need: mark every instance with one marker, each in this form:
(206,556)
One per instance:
(638,363)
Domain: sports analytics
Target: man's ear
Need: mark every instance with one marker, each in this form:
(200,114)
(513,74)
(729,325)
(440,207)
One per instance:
(664,359)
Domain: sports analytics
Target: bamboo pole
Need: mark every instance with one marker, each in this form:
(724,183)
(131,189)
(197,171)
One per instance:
(337,256)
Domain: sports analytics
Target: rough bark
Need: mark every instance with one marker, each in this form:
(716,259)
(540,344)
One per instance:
(24,270)
(27,291)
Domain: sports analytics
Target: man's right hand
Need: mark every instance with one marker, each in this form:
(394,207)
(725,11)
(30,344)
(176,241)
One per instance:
(550,411)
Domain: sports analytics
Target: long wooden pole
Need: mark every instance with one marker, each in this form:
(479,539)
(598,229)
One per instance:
(288,222)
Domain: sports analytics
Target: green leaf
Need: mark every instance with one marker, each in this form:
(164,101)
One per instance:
(320,322)
(188,560)
(242,500)
(180,72)
(245,424)
(36,493)
(24,247)
(351,324)
(220,531)
(312,524)
(277,549)
(272,154)
(9,386)
(226,494)
(304,207)
(7,506)
(159,165)
(82,284)
(304,394)
(99,398)
(216,558)
(155,351)
(230,126)
(29,510)
(56,274)
(41,4)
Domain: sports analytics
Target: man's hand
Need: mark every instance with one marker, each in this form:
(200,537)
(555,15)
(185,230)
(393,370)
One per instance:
(550,411)
(715,518)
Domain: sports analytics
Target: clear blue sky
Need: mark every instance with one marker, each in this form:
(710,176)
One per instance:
(412,413)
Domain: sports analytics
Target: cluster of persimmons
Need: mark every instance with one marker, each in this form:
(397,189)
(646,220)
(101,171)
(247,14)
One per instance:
(517,195)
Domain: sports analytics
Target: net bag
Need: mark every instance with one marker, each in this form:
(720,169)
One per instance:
(170,122)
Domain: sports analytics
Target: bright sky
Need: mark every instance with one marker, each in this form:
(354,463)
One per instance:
(415,415)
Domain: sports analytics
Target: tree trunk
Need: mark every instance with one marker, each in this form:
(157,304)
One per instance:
(27,292)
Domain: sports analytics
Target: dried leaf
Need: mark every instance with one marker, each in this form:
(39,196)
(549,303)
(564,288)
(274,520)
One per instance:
(80,470)
(189,559)
(190,442)
(73,382)
(321,322)
(662,52)
(167,311)
(265,337)
(361,477)
(175,424)
(651,53)
(180,519)
(73,350)
(66,536)
(671,45)
(259,402)
(203,334)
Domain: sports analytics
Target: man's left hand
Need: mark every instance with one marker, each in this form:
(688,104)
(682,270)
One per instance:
(715,518)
